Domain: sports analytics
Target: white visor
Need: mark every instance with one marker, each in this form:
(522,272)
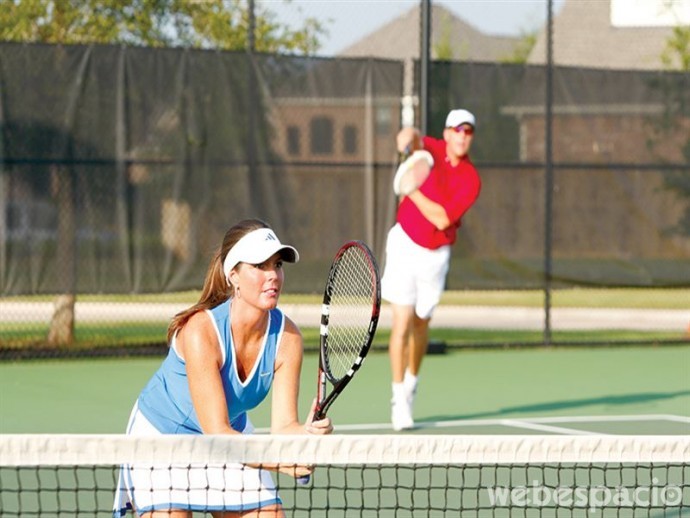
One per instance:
(255,247)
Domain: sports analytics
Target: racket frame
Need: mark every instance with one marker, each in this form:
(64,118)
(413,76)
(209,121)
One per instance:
(323,401)
(409,169)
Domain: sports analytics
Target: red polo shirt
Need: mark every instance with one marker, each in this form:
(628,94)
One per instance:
(455,188)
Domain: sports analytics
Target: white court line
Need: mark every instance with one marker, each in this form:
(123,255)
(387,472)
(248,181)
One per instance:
(611,418)
(677,418)
(515,423)
(533,421)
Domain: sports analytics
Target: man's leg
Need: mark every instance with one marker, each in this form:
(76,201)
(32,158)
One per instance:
(401,332)
(398,349)
(418,345)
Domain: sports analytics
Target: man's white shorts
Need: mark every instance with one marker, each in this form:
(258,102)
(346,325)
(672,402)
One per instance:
(413,275)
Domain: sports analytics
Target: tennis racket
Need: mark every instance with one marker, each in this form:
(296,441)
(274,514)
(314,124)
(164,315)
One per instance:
(412,172)
(349,316)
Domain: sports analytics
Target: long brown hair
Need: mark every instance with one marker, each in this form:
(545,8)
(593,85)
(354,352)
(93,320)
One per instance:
(216,289)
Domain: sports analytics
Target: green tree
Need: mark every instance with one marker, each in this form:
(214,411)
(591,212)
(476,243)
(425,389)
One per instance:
(676,58)
(676,54)
(522,50)
(443,47)
(217,24)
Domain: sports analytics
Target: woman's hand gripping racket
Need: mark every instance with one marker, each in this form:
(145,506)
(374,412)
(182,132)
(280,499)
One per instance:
(412,172)
(349,316)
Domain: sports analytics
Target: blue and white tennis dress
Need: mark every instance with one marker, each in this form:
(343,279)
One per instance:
(165,407)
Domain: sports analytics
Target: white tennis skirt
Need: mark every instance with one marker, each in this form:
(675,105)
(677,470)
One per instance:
(190,487)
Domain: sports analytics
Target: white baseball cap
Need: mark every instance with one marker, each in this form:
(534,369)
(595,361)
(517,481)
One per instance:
(257,246)
(456,118)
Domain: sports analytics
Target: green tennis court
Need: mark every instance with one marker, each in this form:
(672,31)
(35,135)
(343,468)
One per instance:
(623,390)
(616,391)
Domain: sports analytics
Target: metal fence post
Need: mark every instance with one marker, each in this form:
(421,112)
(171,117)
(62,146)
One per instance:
(548,194)
(424,51)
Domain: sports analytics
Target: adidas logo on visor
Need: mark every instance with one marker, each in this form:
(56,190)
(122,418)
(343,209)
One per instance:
(271,237)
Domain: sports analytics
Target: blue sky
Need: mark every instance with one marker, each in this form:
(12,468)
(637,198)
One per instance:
(350,20)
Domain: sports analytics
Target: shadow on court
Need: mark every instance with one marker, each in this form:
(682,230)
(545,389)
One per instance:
(615,400)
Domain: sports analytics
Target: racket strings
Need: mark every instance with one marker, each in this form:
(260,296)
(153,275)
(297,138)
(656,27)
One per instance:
(353,296)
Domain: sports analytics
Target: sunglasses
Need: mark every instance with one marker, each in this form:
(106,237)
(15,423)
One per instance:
(467,130)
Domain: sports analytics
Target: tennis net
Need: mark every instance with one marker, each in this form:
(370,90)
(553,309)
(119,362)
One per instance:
(362,475)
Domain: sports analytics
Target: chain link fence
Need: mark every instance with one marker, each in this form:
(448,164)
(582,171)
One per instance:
(122,168)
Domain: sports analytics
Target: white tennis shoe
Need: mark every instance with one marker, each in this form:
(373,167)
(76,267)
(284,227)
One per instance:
(401,414)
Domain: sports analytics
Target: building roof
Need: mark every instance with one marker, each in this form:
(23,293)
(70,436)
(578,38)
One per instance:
(583,36)
(400,39)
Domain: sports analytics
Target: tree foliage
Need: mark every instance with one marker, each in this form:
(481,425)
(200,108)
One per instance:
(676,55)
(218,24)
(443,47)
(523,48)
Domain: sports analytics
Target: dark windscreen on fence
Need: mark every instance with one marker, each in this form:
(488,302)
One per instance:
(123,167)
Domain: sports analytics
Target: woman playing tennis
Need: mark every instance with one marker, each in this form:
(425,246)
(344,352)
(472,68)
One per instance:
(225,353)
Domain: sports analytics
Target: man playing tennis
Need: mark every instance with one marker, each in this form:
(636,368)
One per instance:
(418,249)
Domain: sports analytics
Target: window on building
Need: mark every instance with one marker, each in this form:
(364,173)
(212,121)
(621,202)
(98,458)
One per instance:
(350,140)
(321,135)
(293,140)
(384,120)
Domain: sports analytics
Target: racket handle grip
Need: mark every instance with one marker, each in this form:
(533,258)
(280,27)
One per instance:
(318,415)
